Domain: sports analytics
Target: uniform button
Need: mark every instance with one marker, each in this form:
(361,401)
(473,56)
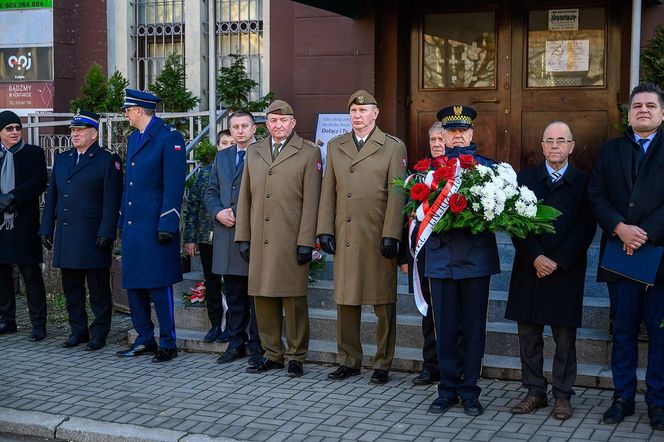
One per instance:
(348,219)
(631,204)
(64,224)
(68,181)
(129,203)
(129,222)
(131,183)
(66,209)
(349,194)
(267,196)
(234,187)
(270,172)
(267,218)
(66,196)
(266,241)
(352,171)
(132,163)
(347,244)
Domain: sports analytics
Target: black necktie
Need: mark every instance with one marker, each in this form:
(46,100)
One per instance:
(641,153)
(240,159)
(360,143)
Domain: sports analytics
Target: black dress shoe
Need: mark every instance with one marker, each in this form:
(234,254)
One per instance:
(96,344)
(442,404)
(379,377)
(138,350)
(656,415)
(264,365)
(165,354)
(472,407)
(212,334)
(343,372)
(255,357)
(224,336)
(295,369)
(231,354)
(37,334)
(73,341)
(619,409)
(426,377)
(7,327)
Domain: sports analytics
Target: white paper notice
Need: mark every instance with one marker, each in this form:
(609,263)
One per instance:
(563,19)
(567,55)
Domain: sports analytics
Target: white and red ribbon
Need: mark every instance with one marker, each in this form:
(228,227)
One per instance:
(428,217)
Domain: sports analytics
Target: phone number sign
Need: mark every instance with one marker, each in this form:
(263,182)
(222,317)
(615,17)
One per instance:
(25,4)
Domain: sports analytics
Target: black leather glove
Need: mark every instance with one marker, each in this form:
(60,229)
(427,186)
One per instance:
(304,254)
(244,249)
(104,244)
(327,243)
(47,241)
(165,237)
(388,247)
(6,199)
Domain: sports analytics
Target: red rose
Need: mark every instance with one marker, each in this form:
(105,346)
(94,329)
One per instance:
(440,161)
(467,161)
(422,165)
(420,192)
(457,203)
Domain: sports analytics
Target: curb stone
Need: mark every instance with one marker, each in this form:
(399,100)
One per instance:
(55,426)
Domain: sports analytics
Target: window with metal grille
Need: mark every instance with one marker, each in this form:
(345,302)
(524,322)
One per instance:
(158,32)
(240,31)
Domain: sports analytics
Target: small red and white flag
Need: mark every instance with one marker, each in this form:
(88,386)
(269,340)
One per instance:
(177,147)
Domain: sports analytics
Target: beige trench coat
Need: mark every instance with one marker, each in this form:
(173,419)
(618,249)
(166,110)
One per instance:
(277,211)
(359,207)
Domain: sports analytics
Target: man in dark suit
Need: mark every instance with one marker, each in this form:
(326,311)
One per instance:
(150,222)
(548,274)
(23,178)
(82,207)
(221,198)
(627,199)
(459,266)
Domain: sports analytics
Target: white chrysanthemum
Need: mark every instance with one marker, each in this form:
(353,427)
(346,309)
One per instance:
(483,170)
(511,190)
(476,207)
(506,172)
(531,210)
(520,206)
(527,195)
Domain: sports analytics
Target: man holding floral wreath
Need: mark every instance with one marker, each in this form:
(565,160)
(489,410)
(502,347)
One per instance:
(459,265)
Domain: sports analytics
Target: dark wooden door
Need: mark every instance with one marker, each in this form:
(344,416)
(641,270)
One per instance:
(521,65)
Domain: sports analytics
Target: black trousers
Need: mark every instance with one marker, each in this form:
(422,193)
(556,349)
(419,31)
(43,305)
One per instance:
(101,301)
(35,293)
(460,303)
(531,349)
(241,315)
(429,354)
(215,307)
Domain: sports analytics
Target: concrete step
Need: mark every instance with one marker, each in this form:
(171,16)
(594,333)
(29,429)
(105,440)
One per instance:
(409,360)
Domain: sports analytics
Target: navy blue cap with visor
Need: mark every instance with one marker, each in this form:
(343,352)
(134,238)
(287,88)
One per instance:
(134,98)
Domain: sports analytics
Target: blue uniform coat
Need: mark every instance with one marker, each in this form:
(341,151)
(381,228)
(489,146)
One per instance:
(458,254)
(82,204)
(222,192)
(151,203)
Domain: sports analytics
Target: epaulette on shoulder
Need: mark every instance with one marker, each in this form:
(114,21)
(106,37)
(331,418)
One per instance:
(171,128)
(311,143)
(338,136)
(394,138)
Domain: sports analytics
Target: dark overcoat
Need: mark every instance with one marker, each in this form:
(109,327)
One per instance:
(21,245)
(82,204)
(616,193)
(556,299)
(458,254)
(222,192)
(151,203)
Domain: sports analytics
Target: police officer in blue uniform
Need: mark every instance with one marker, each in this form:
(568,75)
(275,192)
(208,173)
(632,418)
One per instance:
(459,266)
(82,206)
(150,220)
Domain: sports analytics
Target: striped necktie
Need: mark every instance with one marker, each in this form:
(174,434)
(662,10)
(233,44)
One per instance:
(555,176)
(275,150)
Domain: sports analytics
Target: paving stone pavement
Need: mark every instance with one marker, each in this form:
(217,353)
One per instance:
(193,395)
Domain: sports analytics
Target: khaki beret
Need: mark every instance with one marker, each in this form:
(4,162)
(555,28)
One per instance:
(361,97)
(279,107)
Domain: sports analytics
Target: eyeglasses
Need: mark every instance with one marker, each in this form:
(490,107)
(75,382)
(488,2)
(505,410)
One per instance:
(13,128)
(558,141)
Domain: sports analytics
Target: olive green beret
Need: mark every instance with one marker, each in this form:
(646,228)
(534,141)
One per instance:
(361,97)
(279,107)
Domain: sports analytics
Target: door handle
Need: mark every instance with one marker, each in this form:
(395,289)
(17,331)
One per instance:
(488,100)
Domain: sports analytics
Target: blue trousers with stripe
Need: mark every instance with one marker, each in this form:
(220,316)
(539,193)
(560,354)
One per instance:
(139,304)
